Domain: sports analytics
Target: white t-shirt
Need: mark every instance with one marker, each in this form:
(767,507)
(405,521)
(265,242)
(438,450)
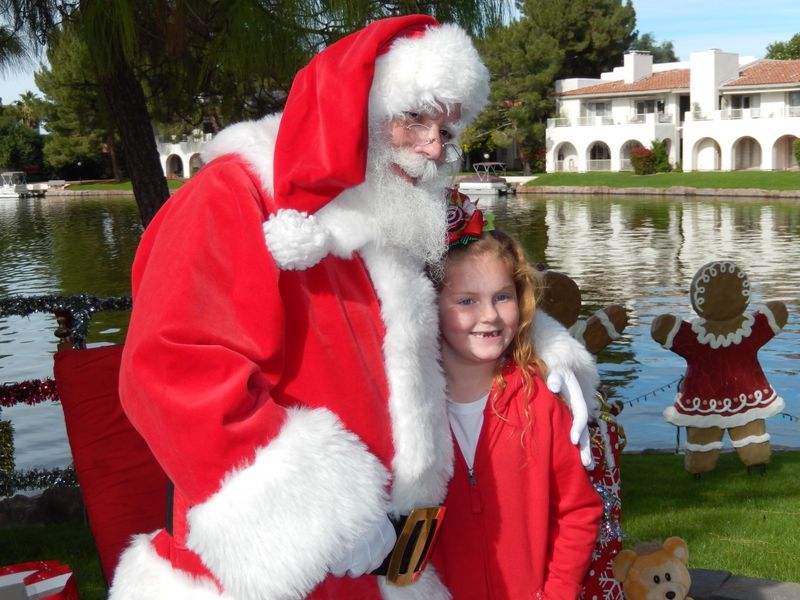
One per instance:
(466,420)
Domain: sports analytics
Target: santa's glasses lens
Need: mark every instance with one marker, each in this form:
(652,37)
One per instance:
(421,136)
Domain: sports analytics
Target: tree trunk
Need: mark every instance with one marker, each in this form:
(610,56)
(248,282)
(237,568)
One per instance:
(126,99)
(112,153)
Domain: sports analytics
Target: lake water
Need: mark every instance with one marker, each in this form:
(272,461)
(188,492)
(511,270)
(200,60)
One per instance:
(639,252)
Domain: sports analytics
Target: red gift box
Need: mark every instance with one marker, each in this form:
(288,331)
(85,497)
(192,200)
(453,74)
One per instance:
(37,580)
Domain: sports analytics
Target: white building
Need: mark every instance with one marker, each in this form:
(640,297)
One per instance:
(716,112)
(181,158)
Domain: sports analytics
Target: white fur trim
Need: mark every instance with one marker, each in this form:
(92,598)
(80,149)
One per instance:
(423,460)
(771,319)
(717,340)
(419,72)
(608,325)
(427,587)
(554,345)
(704,447)
(275,525)
(142,574)
(296,240)
(254,141)
(714,420)
(578,329)
(676,325)
(751,439)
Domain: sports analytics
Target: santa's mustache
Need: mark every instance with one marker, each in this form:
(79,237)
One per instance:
(414,164)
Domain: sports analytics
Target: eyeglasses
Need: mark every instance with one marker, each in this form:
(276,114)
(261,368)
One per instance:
(421,136)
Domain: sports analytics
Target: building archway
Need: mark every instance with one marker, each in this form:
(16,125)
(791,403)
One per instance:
(625,154)
(706,155)
(783,158)
(174,166)
(599,157)
(746,154)
(566,158)
(195,162)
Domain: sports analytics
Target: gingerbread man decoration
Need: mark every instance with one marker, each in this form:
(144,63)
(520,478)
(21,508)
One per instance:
(561,299)
(724,387)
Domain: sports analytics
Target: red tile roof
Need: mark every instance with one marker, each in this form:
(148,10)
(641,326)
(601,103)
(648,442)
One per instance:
(665,80)
(766,72)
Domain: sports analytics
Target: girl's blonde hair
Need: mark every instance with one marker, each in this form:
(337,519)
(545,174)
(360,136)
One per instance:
(506,248)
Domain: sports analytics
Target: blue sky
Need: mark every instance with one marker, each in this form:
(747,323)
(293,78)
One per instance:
(742,26)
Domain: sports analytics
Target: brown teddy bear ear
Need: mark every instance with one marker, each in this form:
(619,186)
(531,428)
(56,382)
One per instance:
(622,564)
(677,547)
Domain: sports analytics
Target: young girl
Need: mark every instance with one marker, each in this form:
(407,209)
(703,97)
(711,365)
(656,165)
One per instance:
(522,516)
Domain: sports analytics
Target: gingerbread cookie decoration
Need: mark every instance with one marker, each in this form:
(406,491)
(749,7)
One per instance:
(724,387)
(561,299)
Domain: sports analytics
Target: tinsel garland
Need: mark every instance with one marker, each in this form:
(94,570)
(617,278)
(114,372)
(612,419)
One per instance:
(36,479)
(6,447)
(80,308)
(610,528)
(28,392)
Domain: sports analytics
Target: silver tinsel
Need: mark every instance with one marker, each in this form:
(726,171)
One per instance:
(80,308)
(36,479)
(610,528)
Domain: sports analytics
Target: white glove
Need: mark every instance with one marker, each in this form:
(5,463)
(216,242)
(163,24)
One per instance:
(564,382)
(369,551)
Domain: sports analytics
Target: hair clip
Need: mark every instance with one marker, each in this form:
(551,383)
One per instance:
(465,221)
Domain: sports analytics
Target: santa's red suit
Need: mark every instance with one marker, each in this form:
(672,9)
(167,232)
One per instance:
(281,360)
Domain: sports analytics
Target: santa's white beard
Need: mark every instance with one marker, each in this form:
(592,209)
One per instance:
(411,217)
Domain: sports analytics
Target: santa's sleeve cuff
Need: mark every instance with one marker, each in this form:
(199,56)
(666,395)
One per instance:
(275,525)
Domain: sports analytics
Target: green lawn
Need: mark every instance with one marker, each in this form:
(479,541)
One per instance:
(70,543)
(762,180)
(731,519)
(173,184)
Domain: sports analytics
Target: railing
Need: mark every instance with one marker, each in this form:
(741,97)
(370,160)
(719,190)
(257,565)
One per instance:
(740,113)
(73,314)
(558,122)
(599,165)
(566,166)
(791,111)
(625,164)
(594,120)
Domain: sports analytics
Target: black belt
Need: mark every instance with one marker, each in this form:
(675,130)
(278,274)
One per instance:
(416,534)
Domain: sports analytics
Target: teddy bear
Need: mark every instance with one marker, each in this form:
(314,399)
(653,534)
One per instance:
(724,388)
(560,298)
(655,571)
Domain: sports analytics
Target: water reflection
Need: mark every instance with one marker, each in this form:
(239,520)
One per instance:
(643,253)
(638,252)
(58,246)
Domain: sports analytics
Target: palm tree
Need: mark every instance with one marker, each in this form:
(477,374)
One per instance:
(188,50)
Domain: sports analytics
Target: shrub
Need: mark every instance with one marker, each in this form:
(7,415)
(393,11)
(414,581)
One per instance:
(661,156)
(643,161)
(796,149)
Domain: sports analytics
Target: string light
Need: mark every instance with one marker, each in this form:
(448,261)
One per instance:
(652,393)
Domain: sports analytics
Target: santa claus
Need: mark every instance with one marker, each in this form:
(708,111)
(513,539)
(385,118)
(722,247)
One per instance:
(282,356)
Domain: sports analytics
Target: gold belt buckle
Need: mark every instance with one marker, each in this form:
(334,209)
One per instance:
(414,545)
